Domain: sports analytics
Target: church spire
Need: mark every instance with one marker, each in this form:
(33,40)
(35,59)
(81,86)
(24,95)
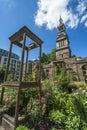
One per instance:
(60,21)
(61,26)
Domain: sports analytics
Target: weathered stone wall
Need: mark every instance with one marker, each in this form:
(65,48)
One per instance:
(63,53)
(72,65)
(48,71)
(81,63)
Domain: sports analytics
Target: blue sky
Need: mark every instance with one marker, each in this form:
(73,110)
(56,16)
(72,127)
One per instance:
(42,17)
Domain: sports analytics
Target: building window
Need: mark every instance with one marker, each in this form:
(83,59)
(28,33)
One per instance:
(61,55)
(0,60)
(47,73)
(62,42)
(5,59)
(84,68)
(57,45)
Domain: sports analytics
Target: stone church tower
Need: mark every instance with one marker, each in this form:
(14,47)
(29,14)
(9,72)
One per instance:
(74,65)
(62,42)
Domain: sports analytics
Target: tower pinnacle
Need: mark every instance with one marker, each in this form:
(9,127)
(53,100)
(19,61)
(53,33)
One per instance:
(61,26)
(60,21)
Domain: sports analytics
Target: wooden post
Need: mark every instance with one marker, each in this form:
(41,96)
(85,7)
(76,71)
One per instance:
(17,108)
(26,65)
(40,69)
(6,72)
(22,58)
(8,62)
(21,71)
(40,63)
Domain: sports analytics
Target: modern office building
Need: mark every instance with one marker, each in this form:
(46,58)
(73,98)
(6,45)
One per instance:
(14,62)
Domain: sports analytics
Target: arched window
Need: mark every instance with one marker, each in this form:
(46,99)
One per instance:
(47,73)
(84,68)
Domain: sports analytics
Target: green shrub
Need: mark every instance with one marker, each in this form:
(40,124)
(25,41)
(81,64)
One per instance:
(74,78)
(12,77)
(57,117)
(78,85)
(0,88)
(20,127)
(28,77)
(72,122)
(63,79)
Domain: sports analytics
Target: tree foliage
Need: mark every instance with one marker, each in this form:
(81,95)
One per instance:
(47,58)
(2,72)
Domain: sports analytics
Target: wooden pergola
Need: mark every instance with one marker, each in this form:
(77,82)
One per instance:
(15,39)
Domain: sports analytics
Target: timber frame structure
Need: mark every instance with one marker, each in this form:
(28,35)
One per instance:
(15,39)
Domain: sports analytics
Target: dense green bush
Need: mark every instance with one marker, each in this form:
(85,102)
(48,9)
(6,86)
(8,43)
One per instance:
(12,76)
(28,78)
(63,79)
(20,127)
(67,111)
(74,78)
(63,103)
(72,122)
(2,72)
(57,117)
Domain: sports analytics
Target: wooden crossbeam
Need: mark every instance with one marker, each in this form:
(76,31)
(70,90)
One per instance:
(20,45)
(32,46)
(22,85)
(18,36)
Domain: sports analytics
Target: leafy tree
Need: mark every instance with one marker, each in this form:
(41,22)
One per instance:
(52,55)
(44,58)
(2,72)
(47,58)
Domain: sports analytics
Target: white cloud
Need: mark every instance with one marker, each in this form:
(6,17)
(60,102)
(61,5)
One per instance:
(49,12)
(81,7)
(86,24)
(73,20)
(84,17)
(7,3)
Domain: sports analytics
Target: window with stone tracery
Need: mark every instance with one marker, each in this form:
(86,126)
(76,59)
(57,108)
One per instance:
(84,68)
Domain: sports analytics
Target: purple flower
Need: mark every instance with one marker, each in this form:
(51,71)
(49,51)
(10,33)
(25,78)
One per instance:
(47,94)
(10,98)
(43,100)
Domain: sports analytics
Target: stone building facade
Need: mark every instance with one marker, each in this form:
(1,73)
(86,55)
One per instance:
(76,66)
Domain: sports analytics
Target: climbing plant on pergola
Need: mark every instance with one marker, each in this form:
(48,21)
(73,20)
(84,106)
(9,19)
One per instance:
(15,39)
